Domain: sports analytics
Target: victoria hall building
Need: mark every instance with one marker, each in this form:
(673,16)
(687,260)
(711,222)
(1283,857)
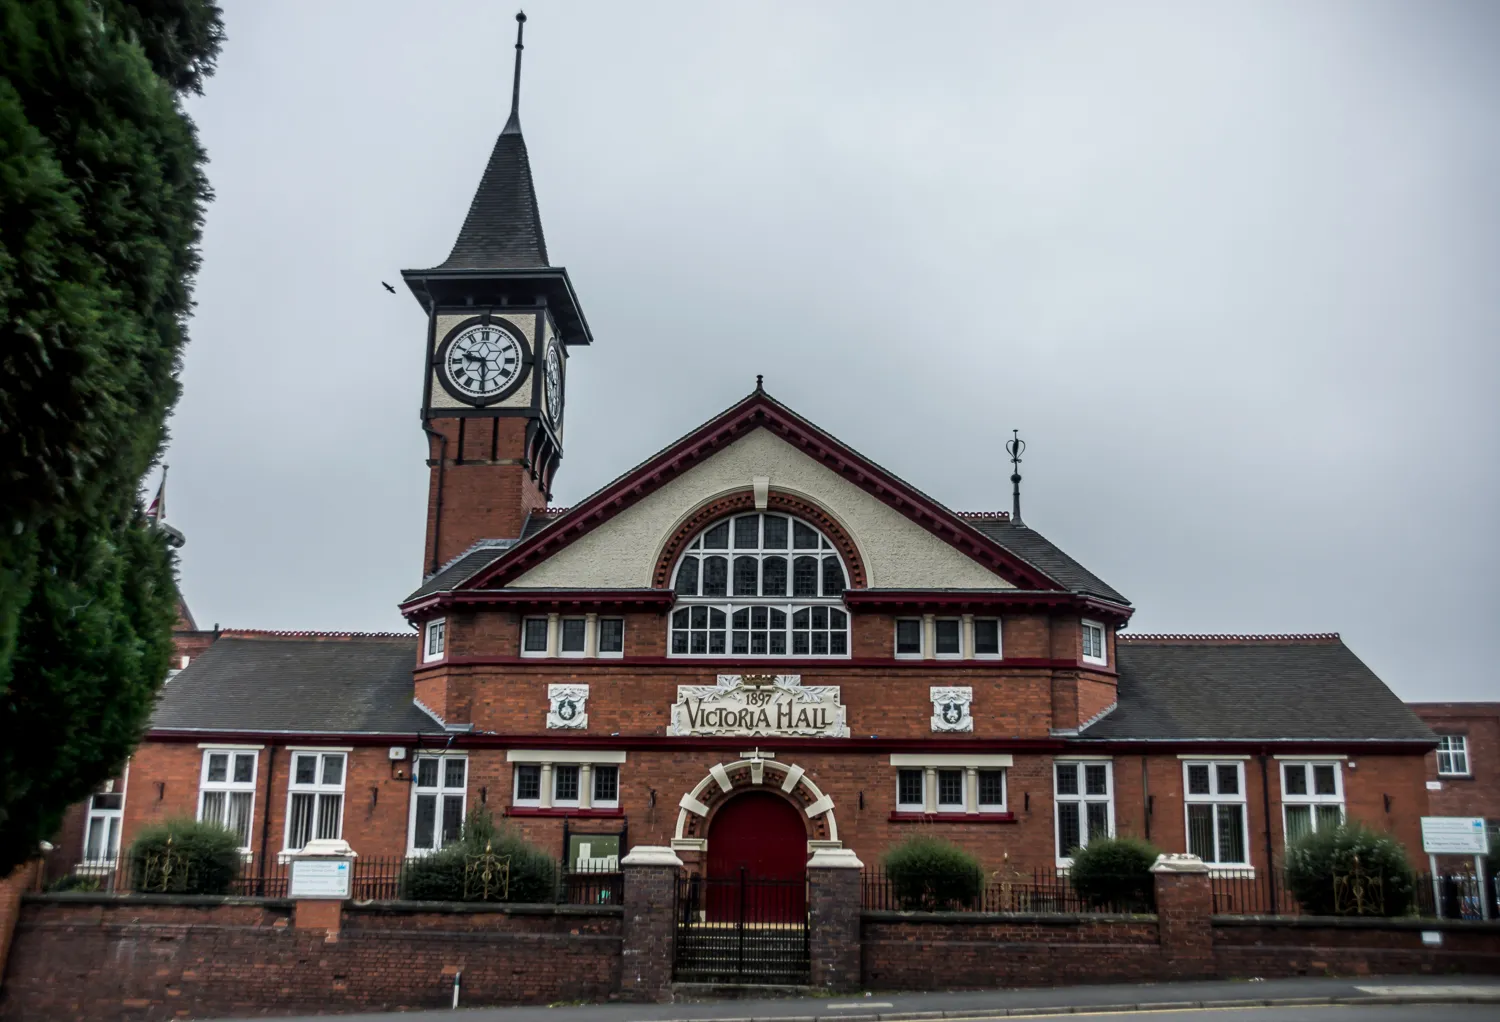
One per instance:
(754,644)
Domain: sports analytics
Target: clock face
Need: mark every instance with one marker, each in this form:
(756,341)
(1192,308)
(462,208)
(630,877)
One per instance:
(554,384)
(482,362)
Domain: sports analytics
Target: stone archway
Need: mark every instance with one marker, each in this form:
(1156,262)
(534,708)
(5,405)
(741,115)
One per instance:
(724,780)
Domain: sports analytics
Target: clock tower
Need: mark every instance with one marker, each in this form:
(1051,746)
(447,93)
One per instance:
(500,322)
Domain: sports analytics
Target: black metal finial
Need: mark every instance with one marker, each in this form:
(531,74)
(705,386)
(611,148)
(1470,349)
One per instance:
(513,126)
(1014,447)
(759,383)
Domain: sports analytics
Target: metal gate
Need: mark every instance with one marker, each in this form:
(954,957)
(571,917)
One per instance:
(741,929)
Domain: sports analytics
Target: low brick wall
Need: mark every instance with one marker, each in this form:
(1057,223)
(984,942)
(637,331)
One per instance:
(972,950)
(159,957)
(1269,947)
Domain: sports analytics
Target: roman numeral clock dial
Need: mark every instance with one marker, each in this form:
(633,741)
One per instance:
(481,362)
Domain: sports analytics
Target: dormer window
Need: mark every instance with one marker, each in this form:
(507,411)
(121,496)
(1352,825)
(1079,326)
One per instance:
(760,585)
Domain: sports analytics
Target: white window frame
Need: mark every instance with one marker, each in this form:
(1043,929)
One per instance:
(957,654)
(921,638)
(1103,658)
(547,760)
(318,790)
(729,604)
(440,793)
(969,766)
(1311,799)
(1215,798)
(599,637)
(230,787)
(106,817)
(1446,748)
(604,803)
(919,806)
(1083,800)
(434,633)
(562,627)
(999,653)
(546,636)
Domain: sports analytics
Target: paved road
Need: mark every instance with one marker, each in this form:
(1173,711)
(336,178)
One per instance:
(1085,1001)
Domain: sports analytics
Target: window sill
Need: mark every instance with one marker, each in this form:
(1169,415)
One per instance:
(1455,777)
(561,811)
(985,817)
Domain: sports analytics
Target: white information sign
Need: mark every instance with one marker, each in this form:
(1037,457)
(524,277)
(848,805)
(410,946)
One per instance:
(1454,835)
(321,878)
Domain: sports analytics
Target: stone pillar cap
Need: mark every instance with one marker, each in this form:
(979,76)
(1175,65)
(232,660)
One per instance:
(1179,862)
(324,848)
(834,858)
(651,855)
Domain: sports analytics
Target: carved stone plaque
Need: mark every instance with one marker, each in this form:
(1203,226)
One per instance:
(950,708)
(567,705)
(759,704)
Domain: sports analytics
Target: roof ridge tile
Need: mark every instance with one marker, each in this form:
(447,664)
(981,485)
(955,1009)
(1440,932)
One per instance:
(1228,637)
(272,633)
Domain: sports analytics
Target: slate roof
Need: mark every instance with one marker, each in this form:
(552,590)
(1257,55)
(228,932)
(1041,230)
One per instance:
(1252,687)
(463,567)
(1038,551)
(345,684)
(504,227)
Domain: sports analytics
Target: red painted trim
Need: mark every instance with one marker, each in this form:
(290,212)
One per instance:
(759,410)
(570,813)
(549,599)
(656,743)
(953,817)
(969,600)
(772,665)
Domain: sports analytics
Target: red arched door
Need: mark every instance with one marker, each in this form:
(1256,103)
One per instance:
(758,841)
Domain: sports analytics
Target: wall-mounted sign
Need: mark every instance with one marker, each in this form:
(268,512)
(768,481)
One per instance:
(759,704)
(1454,835)
(320,878)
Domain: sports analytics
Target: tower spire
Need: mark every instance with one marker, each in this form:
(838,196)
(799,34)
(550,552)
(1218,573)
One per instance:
(1014,447)
(513,126)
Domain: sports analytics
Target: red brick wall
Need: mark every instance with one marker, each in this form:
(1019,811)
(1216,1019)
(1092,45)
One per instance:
(480,499)
(21,879)
(985,951)
(163,958)
(1479,793)
(1318,947)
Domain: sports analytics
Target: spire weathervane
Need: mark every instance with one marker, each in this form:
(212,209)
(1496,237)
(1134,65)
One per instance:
(1014,447)
(513,126)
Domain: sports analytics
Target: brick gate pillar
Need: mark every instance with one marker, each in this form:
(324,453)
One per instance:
(649,939)
(1184,916)
(833,906)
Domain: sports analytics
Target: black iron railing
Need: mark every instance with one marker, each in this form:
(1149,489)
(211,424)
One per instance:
(1040,890)
(375,878)
(1262,892)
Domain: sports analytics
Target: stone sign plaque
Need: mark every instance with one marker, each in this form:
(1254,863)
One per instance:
(759,704)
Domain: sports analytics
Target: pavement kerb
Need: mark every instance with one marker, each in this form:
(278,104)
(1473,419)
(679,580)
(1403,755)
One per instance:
(981,1014)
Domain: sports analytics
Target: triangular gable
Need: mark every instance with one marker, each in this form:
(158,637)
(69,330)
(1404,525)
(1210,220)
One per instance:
(760,411)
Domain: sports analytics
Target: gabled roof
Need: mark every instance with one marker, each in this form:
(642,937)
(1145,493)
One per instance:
(463,567)
(297,682)
(1251,687)
(760,411)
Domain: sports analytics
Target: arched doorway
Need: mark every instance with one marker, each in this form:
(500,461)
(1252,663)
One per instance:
(757,860)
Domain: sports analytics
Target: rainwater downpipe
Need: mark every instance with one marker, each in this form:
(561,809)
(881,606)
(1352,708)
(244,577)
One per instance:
(1265,799)
(437,514)
(265,817)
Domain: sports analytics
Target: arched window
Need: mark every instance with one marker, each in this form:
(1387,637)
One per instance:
(760,585)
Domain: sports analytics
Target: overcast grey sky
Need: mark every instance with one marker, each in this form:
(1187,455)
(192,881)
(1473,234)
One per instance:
(1230,267)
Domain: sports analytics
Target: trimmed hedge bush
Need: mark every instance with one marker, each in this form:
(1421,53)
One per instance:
(1350,870)
(185,857)
(929,874)
(1115,872)
(447,875)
